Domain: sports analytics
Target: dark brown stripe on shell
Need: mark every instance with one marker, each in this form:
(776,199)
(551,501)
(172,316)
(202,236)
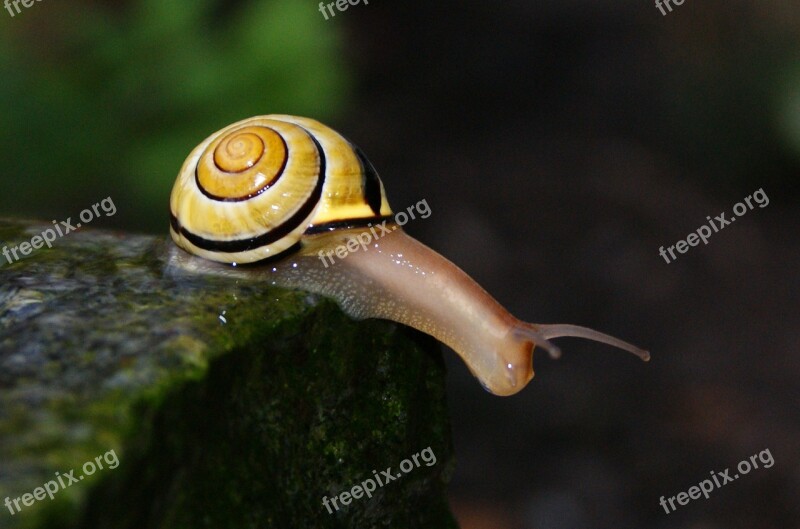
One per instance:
(370,181)
(273,258)
(244,245)
(263,188)
(346,224)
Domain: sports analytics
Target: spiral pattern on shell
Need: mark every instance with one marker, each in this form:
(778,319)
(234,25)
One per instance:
(254,189)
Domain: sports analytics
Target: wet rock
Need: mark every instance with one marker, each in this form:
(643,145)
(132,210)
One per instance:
(164,399)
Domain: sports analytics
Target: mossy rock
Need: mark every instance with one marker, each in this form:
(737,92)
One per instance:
(226,403)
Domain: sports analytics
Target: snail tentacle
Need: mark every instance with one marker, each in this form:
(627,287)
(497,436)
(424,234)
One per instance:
(559,330)
(530,331)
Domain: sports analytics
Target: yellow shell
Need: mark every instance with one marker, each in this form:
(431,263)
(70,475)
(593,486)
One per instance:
(252,190)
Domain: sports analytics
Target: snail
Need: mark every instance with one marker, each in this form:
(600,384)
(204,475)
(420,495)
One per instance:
(283,192)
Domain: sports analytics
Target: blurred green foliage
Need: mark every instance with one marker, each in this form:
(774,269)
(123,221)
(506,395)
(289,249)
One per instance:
(101,100)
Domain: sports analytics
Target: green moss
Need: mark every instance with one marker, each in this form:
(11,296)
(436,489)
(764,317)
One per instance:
(274,428)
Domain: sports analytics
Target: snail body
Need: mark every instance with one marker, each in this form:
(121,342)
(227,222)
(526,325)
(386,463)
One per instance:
(281,191)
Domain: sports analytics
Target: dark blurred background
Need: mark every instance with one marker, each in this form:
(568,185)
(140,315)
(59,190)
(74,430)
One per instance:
(559,144)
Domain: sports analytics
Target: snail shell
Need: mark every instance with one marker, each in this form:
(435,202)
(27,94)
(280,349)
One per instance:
(252,190)
(290,187)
